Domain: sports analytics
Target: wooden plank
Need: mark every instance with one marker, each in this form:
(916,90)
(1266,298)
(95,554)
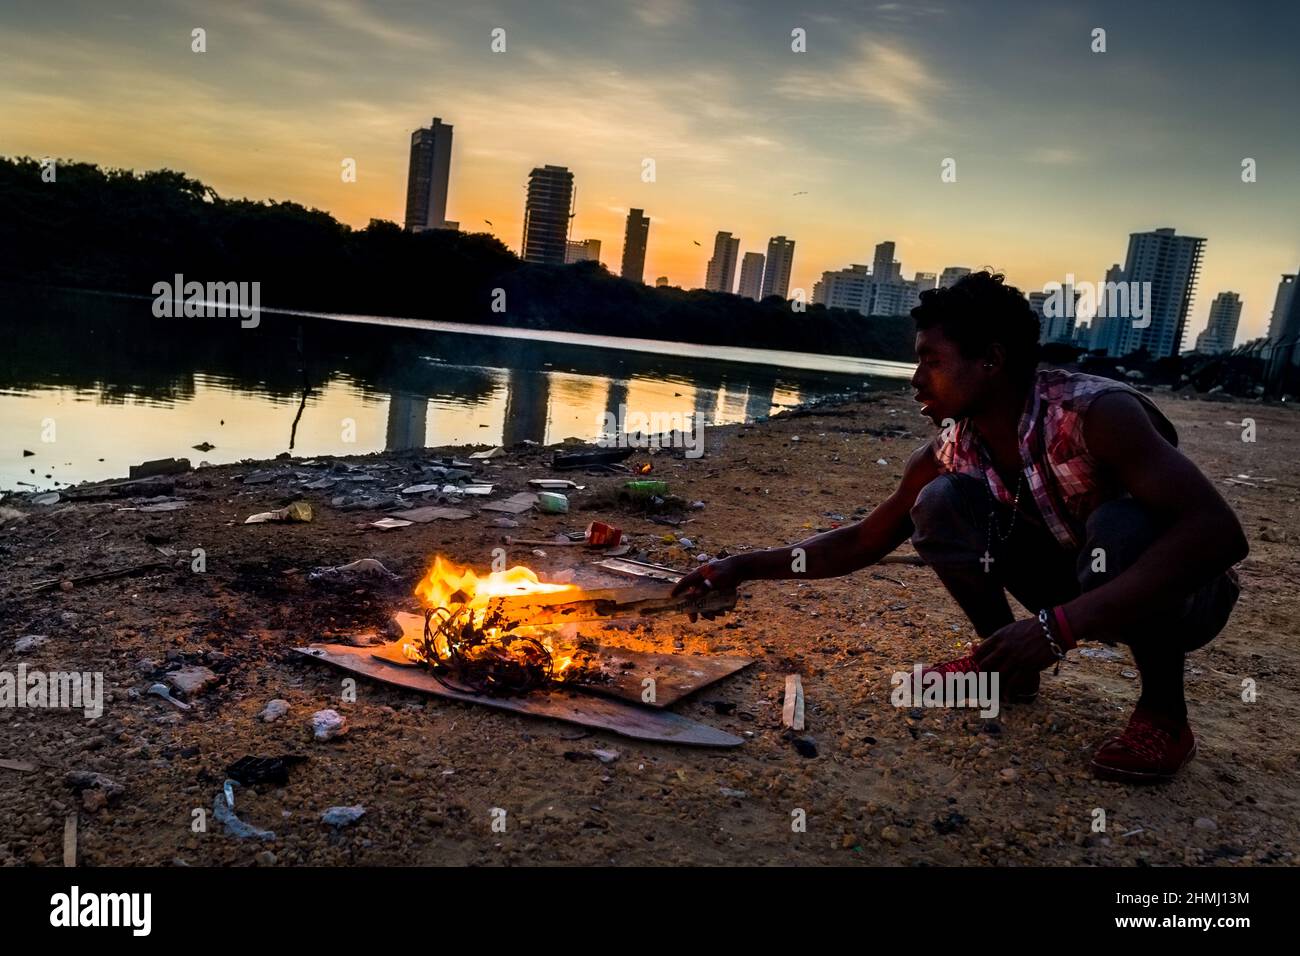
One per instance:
(98,576)
(592,604)
(792,711)
(431,513)
(583,709)
(70,840)
(675,675)
(641,569)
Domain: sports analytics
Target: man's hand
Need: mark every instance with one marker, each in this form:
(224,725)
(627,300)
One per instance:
(725,574)
(1019,648)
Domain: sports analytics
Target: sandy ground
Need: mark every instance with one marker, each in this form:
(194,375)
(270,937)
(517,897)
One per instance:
(886,786)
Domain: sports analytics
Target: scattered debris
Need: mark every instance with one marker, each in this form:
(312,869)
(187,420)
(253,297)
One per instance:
(362,566)
(342,816)
(299,511)
(552,503)
(555,484)
(49,498)
(601,535)
(235,826)
(605,756)
(792,711)
(159,466)
(29,643)
(487,455)
(86,782)
(204,446)
(733,794)
(641,569)
(328,724)
(1101,654)
(173,505)
(21,766)
(481,489)
(390,524)
(514,505)
(190,681)
(250,770)
(140,487)
(418,489)
(430,513)
(273,711)
(563,461)
(160,690)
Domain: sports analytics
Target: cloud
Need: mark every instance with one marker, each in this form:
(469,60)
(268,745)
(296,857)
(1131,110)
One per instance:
(662,13)
(879,74)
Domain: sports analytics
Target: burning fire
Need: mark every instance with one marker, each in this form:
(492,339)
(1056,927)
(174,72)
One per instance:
(467,632)
(448,583)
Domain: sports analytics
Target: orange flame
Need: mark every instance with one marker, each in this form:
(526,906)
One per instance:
(452,585)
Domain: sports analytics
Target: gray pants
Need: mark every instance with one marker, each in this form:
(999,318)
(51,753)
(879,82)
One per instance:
(951,522)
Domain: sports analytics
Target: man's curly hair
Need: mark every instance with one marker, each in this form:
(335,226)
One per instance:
(978,310)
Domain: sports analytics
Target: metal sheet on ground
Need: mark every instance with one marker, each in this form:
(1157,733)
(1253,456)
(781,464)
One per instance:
(675,675)
(583,709)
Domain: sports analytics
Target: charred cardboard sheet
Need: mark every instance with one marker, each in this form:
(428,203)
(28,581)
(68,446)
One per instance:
(675,675)
(587,710)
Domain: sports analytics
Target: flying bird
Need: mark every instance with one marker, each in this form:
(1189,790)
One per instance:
(803,192)
(489,222)
(695,242)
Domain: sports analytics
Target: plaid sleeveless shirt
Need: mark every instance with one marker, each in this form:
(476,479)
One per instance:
(1066,481)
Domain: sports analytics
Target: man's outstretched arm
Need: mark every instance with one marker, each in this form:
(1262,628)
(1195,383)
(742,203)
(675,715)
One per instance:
(832,553)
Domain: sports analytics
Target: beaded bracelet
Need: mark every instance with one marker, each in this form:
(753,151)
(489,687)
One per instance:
(1044,618)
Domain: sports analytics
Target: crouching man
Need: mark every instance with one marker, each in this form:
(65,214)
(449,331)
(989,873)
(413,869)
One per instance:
(1066,490)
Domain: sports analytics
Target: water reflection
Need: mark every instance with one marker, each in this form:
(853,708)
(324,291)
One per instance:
(120,386)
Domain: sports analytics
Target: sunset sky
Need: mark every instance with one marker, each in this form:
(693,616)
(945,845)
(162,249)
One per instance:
(1060,152)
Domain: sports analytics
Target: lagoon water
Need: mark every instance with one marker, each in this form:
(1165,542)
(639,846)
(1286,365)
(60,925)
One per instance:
(91,384)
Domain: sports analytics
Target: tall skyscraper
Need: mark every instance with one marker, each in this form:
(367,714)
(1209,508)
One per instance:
(546,214)
(1170,264)
(1221,330)
(950,275)
(751,276)
(1285,289)
(1106,328)
(776,273)
(884,268)
(582,250)
(634,243)
(925,281)
(427,177)
(721,273)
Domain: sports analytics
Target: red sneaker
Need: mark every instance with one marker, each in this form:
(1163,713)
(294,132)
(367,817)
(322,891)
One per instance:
(1150,750)
(1023,690)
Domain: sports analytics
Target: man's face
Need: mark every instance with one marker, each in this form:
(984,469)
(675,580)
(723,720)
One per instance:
(946,383)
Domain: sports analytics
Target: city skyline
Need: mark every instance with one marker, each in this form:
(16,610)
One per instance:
(833,146)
